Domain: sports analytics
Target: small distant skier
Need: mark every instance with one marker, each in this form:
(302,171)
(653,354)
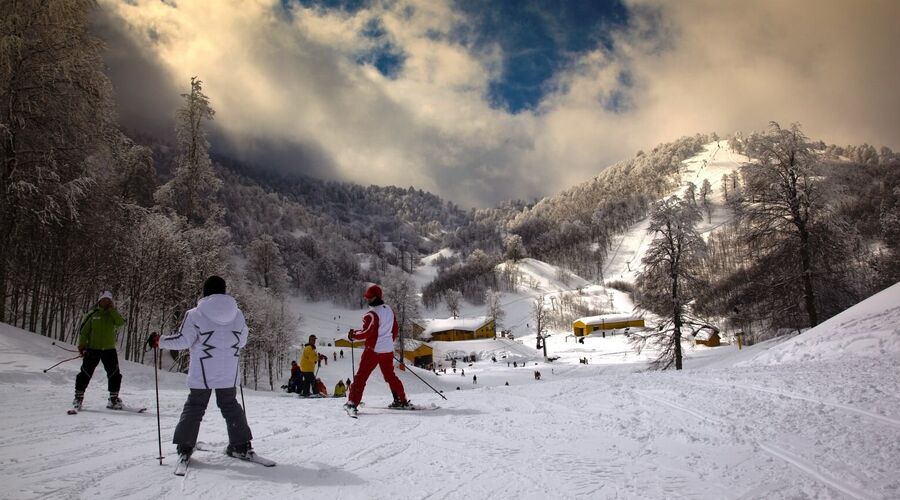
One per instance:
(308,361)
(96,344)
(379,330)
(214,331)
(474,379)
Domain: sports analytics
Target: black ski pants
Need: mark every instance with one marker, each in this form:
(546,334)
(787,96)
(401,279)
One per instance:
(195,407)
(93,357)
(307,383)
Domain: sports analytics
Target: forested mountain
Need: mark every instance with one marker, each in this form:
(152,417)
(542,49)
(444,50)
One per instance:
(86,207)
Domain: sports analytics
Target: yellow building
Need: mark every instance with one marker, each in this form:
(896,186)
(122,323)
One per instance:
(605,323)
(452,329)
(346,343)
(417,353)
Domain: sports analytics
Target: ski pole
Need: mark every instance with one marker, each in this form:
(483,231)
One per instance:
(63,348)
(242,400)
(352,362)
(61,362)
(423,380)
(156,381)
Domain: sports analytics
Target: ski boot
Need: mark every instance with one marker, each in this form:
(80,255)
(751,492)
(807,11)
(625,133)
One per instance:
(184,452)
(114,402)
(78,402)
(351,409)
(400,404)
(243,451)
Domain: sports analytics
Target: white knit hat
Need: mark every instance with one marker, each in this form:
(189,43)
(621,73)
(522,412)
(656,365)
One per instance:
(105,295)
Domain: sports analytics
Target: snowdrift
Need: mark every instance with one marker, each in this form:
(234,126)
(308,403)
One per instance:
(868,329)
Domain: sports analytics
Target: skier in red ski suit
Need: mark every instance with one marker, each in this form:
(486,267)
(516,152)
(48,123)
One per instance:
(379,330)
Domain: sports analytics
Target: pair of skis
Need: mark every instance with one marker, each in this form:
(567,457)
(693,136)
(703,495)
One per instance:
(128,409)
(354,412)
(184,461)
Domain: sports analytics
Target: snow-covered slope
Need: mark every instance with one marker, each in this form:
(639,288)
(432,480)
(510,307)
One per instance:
(811,429)
(717,159)
(868,329)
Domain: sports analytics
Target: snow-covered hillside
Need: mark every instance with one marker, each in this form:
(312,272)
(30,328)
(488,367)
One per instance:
(811,428)
(716,160)
(870,328)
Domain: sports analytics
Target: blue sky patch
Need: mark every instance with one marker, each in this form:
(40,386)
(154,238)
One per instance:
(387,58)
(538,38)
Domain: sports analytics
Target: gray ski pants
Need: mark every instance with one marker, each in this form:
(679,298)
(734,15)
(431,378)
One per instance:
(195,407)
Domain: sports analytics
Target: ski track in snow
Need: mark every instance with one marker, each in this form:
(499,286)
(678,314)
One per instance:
(583,433)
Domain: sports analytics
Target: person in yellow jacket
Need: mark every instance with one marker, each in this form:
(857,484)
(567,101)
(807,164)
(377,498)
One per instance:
(308,361)
(96,344)
(340,390)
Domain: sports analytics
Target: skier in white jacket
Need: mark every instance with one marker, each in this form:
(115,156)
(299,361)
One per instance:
(214,331)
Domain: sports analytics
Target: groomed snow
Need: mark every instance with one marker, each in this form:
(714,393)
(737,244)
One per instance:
(717,159)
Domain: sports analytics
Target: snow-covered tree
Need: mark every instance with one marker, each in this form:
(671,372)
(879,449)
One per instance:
(781,198)
(690,193)
(494,308)
(453,298)
(669,279)
(515,248)
(191,192)
(265,264)
(705,201)
(55,113)
(540,313)
(401,292)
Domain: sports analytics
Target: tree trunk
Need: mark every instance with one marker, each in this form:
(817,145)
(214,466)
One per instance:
(809,295)
(676,320)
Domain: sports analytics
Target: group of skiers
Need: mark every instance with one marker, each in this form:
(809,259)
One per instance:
(311,386)
(215,331)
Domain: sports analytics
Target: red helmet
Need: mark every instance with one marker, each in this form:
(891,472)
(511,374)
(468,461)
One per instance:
(374,291)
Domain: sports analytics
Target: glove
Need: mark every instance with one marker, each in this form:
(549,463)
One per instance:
(153,340)
(350,335)
(81,350)
(401,367)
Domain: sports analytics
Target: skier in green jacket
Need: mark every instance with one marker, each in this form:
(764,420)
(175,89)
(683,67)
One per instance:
(96,344)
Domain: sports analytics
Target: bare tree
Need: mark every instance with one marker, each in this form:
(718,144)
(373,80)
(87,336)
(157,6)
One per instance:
(402,294)
(669,279)
(541,315)
(494,308)
(453,299)
(781,198)
(265,264)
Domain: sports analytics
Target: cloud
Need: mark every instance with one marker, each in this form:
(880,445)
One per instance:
(303,88)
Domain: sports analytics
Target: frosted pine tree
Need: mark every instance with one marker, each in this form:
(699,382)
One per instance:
(191,191)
